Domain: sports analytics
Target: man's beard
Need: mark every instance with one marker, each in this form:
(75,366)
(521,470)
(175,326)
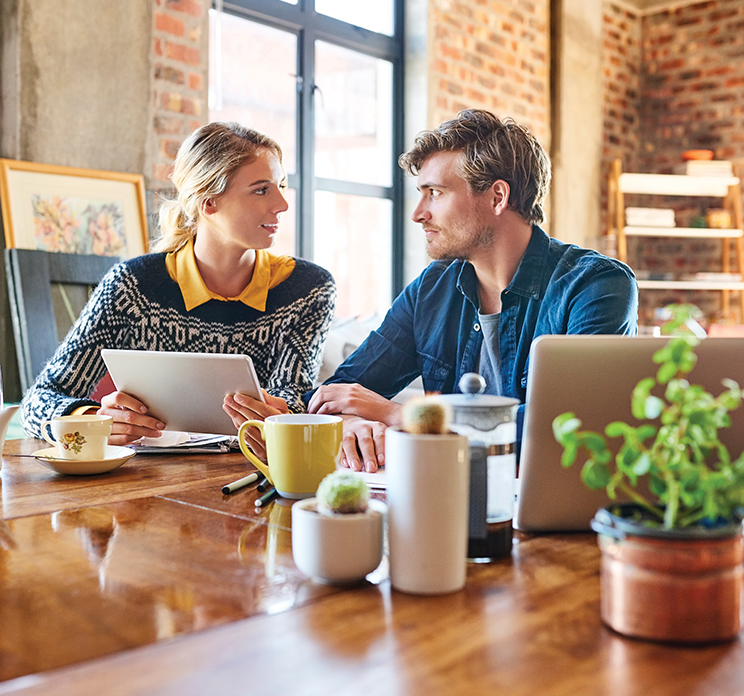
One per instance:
(462,248)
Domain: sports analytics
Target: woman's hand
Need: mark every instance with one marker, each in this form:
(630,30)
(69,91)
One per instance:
(241,407)
(130,419)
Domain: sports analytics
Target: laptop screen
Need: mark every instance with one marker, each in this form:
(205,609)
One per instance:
(594,376)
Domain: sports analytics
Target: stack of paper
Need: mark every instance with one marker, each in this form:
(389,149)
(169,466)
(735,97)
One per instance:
(172,441)
(649,217)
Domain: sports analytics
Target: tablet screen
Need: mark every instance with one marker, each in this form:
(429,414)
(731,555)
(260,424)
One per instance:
(184,390)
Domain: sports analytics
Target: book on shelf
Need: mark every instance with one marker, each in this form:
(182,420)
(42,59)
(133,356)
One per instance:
(649,217)
(653,275)
(713,277)
(722,168)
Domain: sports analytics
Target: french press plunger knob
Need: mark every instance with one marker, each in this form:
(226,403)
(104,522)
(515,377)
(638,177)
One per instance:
(472,383)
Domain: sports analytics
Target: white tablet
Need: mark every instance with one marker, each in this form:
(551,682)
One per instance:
(184,390)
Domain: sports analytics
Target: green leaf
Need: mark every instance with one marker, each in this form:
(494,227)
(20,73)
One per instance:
(617,429)
(663,354)
(639,396)
(666,372)
(595,475)
(594,442)
(570,451)
(645,431)
(642,464)
(653,407)
(564,427)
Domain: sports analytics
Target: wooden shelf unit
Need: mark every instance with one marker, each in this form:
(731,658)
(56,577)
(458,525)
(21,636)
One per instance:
(727,188)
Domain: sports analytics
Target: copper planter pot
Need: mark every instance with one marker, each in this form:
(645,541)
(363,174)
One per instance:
(671,585)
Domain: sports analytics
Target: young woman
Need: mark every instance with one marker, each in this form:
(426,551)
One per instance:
(211,287)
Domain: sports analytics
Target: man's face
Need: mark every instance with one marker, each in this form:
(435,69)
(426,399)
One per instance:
(458,223)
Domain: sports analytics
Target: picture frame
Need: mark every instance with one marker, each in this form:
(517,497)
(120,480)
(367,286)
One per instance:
(70,210)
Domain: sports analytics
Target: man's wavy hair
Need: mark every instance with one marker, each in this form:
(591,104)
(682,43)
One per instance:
(492,149)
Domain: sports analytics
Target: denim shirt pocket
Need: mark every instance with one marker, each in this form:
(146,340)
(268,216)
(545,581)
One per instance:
(434,372)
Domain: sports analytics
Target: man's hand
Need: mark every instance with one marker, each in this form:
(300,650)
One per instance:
(241,407)
(130,419)
(354,400)
(363,447)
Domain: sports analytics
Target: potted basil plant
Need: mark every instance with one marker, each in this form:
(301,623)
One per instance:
(671,557)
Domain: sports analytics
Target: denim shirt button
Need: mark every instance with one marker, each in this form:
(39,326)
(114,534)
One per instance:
(476,327)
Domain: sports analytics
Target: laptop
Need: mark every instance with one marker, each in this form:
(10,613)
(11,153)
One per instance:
(184,390)
(593,376)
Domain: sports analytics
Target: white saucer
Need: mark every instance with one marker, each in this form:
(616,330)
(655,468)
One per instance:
(115,457)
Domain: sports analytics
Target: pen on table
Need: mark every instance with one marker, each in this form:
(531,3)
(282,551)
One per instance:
(263,484)
(240,483)
(267,497)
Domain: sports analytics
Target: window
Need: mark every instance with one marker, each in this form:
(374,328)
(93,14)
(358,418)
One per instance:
(324,79)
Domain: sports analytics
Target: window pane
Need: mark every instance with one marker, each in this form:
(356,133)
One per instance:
(375,16)
(353,240)
(354,116)
(252,81)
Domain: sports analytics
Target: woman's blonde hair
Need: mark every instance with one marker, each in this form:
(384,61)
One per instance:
(203,167)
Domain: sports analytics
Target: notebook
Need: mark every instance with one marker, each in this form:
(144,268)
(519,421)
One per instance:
(593,376)
(184,390)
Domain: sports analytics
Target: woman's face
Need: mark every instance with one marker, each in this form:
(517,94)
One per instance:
(247,213)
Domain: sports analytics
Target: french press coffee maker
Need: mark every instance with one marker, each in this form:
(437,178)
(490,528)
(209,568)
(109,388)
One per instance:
(490,424)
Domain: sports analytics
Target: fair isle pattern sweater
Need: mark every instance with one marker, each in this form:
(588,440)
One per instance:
(138,306)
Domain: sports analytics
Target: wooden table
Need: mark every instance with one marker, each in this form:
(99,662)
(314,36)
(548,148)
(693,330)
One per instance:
(147,580)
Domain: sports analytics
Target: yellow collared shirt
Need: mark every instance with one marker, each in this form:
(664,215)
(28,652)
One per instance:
(270,270)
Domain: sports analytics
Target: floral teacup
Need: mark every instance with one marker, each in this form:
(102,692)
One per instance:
(79,437)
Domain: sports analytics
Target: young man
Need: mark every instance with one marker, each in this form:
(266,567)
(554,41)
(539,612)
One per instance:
(497,282)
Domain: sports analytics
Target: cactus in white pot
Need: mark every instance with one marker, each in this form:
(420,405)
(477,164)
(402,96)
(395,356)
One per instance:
(426,415)
(428,477)
(337,537)
(342,493)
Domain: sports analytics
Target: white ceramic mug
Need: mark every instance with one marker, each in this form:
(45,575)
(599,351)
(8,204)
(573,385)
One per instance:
(428,488)
(79,437)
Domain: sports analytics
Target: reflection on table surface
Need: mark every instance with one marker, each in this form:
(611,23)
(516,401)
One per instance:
(178,589)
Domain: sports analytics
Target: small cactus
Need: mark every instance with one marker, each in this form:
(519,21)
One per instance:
(426,415)
(342,493)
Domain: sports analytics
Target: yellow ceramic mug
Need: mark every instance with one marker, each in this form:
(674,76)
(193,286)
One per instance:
(301,448)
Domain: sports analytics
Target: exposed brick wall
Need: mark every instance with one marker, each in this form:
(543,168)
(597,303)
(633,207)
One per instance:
(180,61)
(621,68)
(692,91)
(688,74)
(693,83)
(492,55)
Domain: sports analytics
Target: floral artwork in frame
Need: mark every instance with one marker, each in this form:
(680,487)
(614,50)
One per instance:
(73,211)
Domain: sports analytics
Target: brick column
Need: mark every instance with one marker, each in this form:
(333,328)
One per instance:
(180,64)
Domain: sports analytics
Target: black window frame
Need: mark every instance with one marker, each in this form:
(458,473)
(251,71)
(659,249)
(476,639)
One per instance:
(310,26)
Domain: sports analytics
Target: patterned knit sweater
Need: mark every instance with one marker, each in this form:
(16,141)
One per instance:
(139,307)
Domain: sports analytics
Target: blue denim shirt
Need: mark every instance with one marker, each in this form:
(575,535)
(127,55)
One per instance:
(432,328)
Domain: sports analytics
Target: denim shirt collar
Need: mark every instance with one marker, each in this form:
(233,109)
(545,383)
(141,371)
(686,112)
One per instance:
(526,281)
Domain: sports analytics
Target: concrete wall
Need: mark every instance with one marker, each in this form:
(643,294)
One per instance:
(76,82)
(98,85)
(577,121)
